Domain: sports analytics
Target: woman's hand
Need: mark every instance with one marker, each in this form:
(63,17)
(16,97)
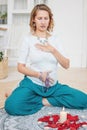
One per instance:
(64,62)
(43,76)
(45,47)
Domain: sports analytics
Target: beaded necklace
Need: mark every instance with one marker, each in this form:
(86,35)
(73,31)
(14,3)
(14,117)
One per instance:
(42,41)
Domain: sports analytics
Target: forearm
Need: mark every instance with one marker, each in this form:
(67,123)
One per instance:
(27,71)
(64,62)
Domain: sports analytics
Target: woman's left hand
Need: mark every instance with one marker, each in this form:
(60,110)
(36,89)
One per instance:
(46,47)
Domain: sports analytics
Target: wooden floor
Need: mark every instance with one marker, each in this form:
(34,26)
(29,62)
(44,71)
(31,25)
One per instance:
(74,77)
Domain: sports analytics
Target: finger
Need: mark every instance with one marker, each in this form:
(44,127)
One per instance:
(48,72)
(46,43)
(37,44)
(51,80)
(39,47)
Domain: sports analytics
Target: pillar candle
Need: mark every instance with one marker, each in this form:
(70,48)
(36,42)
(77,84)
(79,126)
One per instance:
(63,116)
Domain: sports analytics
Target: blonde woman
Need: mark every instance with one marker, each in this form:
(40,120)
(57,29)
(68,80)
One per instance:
(40,86)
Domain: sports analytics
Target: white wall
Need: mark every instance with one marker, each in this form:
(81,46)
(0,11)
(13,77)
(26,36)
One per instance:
(69,26)
(84,44)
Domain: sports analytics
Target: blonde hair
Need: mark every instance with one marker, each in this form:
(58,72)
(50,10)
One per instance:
(33,14)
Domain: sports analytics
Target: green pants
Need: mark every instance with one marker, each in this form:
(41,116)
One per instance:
(27,98)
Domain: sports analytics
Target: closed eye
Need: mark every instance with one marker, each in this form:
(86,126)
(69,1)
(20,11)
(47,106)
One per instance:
(45,18)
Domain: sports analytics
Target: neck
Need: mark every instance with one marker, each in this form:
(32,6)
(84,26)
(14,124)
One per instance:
(41,34)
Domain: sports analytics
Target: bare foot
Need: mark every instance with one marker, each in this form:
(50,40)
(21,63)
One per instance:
(45,102)
(8,92)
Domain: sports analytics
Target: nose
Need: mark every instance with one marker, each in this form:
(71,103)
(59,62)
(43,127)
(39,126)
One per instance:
(43,21)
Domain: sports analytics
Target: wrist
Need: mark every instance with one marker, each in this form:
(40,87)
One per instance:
(52,50)
(40,76)
(47,81)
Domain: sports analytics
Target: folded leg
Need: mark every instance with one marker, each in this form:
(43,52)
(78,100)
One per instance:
(68,97)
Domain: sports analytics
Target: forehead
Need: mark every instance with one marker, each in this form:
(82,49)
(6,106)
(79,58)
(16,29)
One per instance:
(42,13)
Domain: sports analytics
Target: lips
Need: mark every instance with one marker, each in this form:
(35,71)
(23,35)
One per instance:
(43,26)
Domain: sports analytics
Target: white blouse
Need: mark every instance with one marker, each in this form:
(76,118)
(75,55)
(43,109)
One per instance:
(39,60)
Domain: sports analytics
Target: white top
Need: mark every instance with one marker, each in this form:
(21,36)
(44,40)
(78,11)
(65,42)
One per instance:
(39,60)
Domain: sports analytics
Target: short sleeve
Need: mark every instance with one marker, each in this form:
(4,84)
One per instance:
(24,51)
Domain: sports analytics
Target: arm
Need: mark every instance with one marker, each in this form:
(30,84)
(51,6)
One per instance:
(26,71)
(64,62)
(29,72)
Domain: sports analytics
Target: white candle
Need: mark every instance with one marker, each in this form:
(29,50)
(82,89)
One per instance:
(63,116)
(50,114)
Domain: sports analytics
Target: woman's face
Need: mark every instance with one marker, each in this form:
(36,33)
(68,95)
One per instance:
(42,20)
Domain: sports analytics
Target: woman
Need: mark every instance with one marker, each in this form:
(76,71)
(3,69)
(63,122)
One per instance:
(40,86)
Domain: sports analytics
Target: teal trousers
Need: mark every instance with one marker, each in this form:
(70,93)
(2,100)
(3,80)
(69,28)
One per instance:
(26,99)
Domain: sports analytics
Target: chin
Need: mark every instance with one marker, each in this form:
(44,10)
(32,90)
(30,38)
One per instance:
(43,29)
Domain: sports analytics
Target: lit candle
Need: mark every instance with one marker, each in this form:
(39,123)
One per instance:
(63,116)
(50,114)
